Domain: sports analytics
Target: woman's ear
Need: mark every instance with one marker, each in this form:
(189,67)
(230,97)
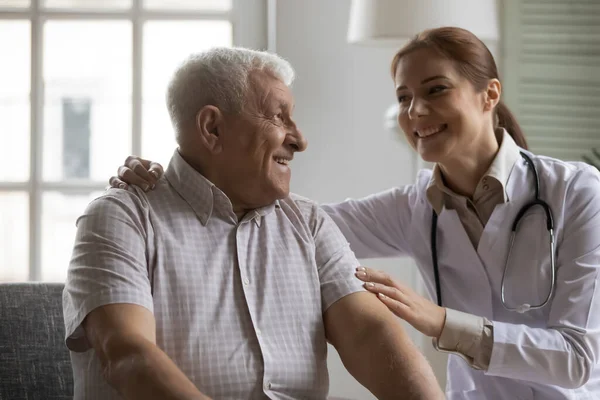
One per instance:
(493,93)
(208,121)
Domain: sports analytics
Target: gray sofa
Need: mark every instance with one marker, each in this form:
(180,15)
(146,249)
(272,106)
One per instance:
(34,362)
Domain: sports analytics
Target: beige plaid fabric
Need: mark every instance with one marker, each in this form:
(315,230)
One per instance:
(238,306)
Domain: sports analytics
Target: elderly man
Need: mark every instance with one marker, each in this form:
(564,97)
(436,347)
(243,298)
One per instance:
(219,283)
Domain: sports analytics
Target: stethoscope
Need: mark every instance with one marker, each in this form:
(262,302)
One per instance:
(549,225)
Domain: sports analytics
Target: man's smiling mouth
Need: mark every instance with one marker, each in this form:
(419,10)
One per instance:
(282,160)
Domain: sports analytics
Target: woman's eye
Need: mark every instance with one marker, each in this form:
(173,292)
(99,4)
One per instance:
(437,89)
(402,99)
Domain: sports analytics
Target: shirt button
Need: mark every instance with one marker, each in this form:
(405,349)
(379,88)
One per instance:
(486,187)
(246,282)
(268,386)
(484,180)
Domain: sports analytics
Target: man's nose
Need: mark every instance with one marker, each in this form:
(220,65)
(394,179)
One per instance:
(296,139)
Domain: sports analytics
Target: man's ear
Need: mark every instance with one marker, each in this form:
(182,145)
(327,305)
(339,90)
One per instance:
(492,96)
(208,121)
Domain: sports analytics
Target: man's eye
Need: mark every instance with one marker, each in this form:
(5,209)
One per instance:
(402,99)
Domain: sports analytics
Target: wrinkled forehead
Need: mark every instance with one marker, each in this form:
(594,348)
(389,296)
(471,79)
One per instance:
(267,89)
(420,65)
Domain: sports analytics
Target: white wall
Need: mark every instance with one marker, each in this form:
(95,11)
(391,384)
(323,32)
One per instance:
(342,92)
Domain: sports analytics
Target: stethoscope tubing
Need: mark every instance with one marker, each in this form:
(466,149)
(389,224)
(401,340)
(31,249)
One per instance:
(549,225)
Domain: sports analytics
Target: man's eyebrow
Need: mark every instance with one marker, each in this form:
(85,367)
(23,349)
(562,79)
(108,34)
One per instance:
(288,106)
(424,81)
(283,105)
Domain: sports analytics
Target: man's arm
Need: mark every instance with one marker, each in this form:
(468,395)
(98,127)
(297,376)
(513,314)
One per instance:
(107,303)
(124,338)
(376,350)
(372,344)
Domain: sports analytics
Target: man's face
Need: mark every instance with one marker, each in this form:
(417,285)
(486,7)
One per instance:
(259,144)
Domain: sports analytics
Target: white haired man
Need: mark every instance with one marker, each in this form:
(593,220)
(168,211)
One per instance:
(219,283)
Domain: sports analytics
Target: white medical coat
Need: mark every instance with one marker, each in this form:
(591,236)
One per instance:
(549,353)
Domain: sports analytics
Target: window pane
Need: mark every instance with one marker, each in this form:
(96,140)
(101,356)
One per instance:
(14,3)
(14,237)
(59,214)
(166,44)
(14,100)
(209,5)
(87,109)
(87,4)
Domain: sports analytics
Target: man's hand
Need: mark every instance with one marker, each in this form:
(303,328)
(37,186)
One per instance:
(376,350)
(137,171)
(124,338)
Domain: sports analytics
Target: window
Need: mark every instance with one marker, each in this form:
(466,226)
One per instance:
(84,88)
(551,82)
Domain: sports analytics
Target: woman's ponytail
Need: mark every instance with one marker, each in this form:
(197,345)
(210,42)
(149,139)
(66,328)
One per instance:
(505,119)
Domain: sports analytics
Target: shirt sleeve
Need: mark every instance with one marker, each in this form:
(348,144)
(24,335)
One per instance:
(336,262)
(377,225)
(468,336)
(567,349)
(108,263)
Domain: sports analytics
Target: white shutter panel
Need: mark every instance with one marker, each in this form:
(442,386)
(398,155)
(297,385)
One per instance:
(551,74)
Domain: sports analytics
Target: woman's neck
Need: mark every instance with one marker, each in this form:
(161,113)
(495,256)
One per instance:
(463,173)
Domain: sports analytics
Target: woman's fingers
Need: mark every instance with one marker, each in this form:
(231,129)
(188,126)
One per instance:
(115,182)
(397,307)
(397,301)
(142,168)
(148,170)
(130,160)
(142,171)
(388,291)
(130,177)
(156,170)
(139,172)
(421,313)
(370,275)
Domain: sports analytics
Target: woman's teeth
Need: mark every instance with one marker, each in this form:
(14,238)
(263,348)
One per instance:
(282,161)
(432,130)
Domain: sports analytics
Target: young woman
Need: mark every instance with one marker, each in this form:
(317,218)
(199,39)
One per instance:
(508,242)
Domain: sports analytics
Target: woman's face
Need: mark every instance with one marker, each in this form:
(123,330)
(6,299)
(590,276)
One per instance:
(441,113)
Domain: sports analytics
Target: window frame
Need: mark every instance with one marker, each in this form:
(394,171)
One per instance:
(248,19)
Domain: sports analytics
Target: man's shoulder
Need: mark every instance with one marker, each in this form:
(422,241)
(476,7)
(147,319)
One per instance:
(299,204)
(301,201)
(114,201)
(303,213)
(309,214)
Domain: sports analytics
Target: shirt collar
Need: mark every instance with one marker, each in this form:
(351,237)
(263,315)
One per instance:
(436,190)
(499,170)
(505,160)
(259,213)
(203,196)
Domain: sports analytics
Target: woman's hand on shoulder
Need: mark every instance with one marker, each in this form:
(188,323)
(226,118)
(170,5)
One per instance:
(139,172)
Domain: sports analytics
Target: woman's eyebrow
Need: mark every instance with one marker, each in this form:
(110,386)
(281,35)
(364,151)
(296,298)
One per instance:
(424,81)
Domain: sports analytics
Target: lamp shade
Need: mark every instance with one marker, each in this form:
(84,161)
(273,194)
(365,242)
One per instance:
(394,22)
